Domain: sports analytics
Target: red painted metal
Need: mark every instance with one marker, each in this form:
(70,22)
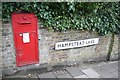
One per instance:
(26,52)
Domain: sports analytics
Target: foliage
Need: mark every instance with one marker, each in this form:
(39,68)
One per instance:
(61,16)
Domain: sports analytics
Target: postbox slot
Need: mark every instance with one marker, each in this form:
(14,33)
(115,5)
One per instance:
(22,23)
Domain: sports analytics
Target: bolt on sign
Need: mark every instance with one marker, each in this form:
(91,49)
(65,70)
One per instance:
(75,44)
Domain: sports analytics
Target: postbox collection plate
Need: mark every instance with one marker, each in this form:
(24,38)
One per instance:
(25,34)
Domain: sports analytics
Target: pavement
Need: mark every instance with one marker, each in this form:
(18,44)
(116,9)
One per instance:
(86,71)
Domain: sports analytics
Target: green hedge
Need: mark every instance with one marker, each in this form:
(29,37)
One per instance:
(60,16)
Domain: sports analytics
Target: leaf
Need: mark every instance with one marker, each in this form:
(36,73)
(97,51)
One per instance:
(100,17)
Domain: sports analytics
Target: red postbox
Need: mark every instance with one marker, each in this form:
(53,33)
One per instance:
(25,34)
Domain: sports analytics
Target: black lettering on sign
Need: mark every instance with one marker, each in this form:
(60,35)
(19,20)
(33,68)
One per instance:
(59,45)
(92,41)
(88,42)
(73,44)
(80,43)
(77,43)
(83,42)
(62,45)
(69,44)
(66,44)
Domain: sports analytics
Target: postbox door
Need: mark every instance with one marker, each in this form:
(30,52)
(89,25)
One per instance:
(26,48)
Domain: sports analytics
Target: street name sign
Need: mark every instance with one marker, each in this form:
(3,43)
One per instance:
(75,44)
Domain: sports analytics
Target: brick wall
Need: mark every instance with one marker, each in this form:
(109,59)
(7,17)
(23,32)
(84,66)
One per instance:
(49,56)
(0,49)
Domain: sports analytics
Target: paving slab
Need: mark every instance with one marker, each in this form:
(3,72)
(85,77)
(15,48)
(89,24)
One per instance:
(47,79)
(114,65)
(94,79)
(32,79)
(102,67)
(109,68)
(64,76)
(106,67)
(20,79)
(105,74)
(108,79)
(115,73)
(91,73)
(96,68)
(47,75)
(81,76)
(115,77)
(74,71)
(60,72)
(32,76)
(118,74)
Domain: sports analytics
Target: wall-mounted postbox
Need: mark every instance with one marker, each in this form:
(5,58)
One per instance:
(25,34)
